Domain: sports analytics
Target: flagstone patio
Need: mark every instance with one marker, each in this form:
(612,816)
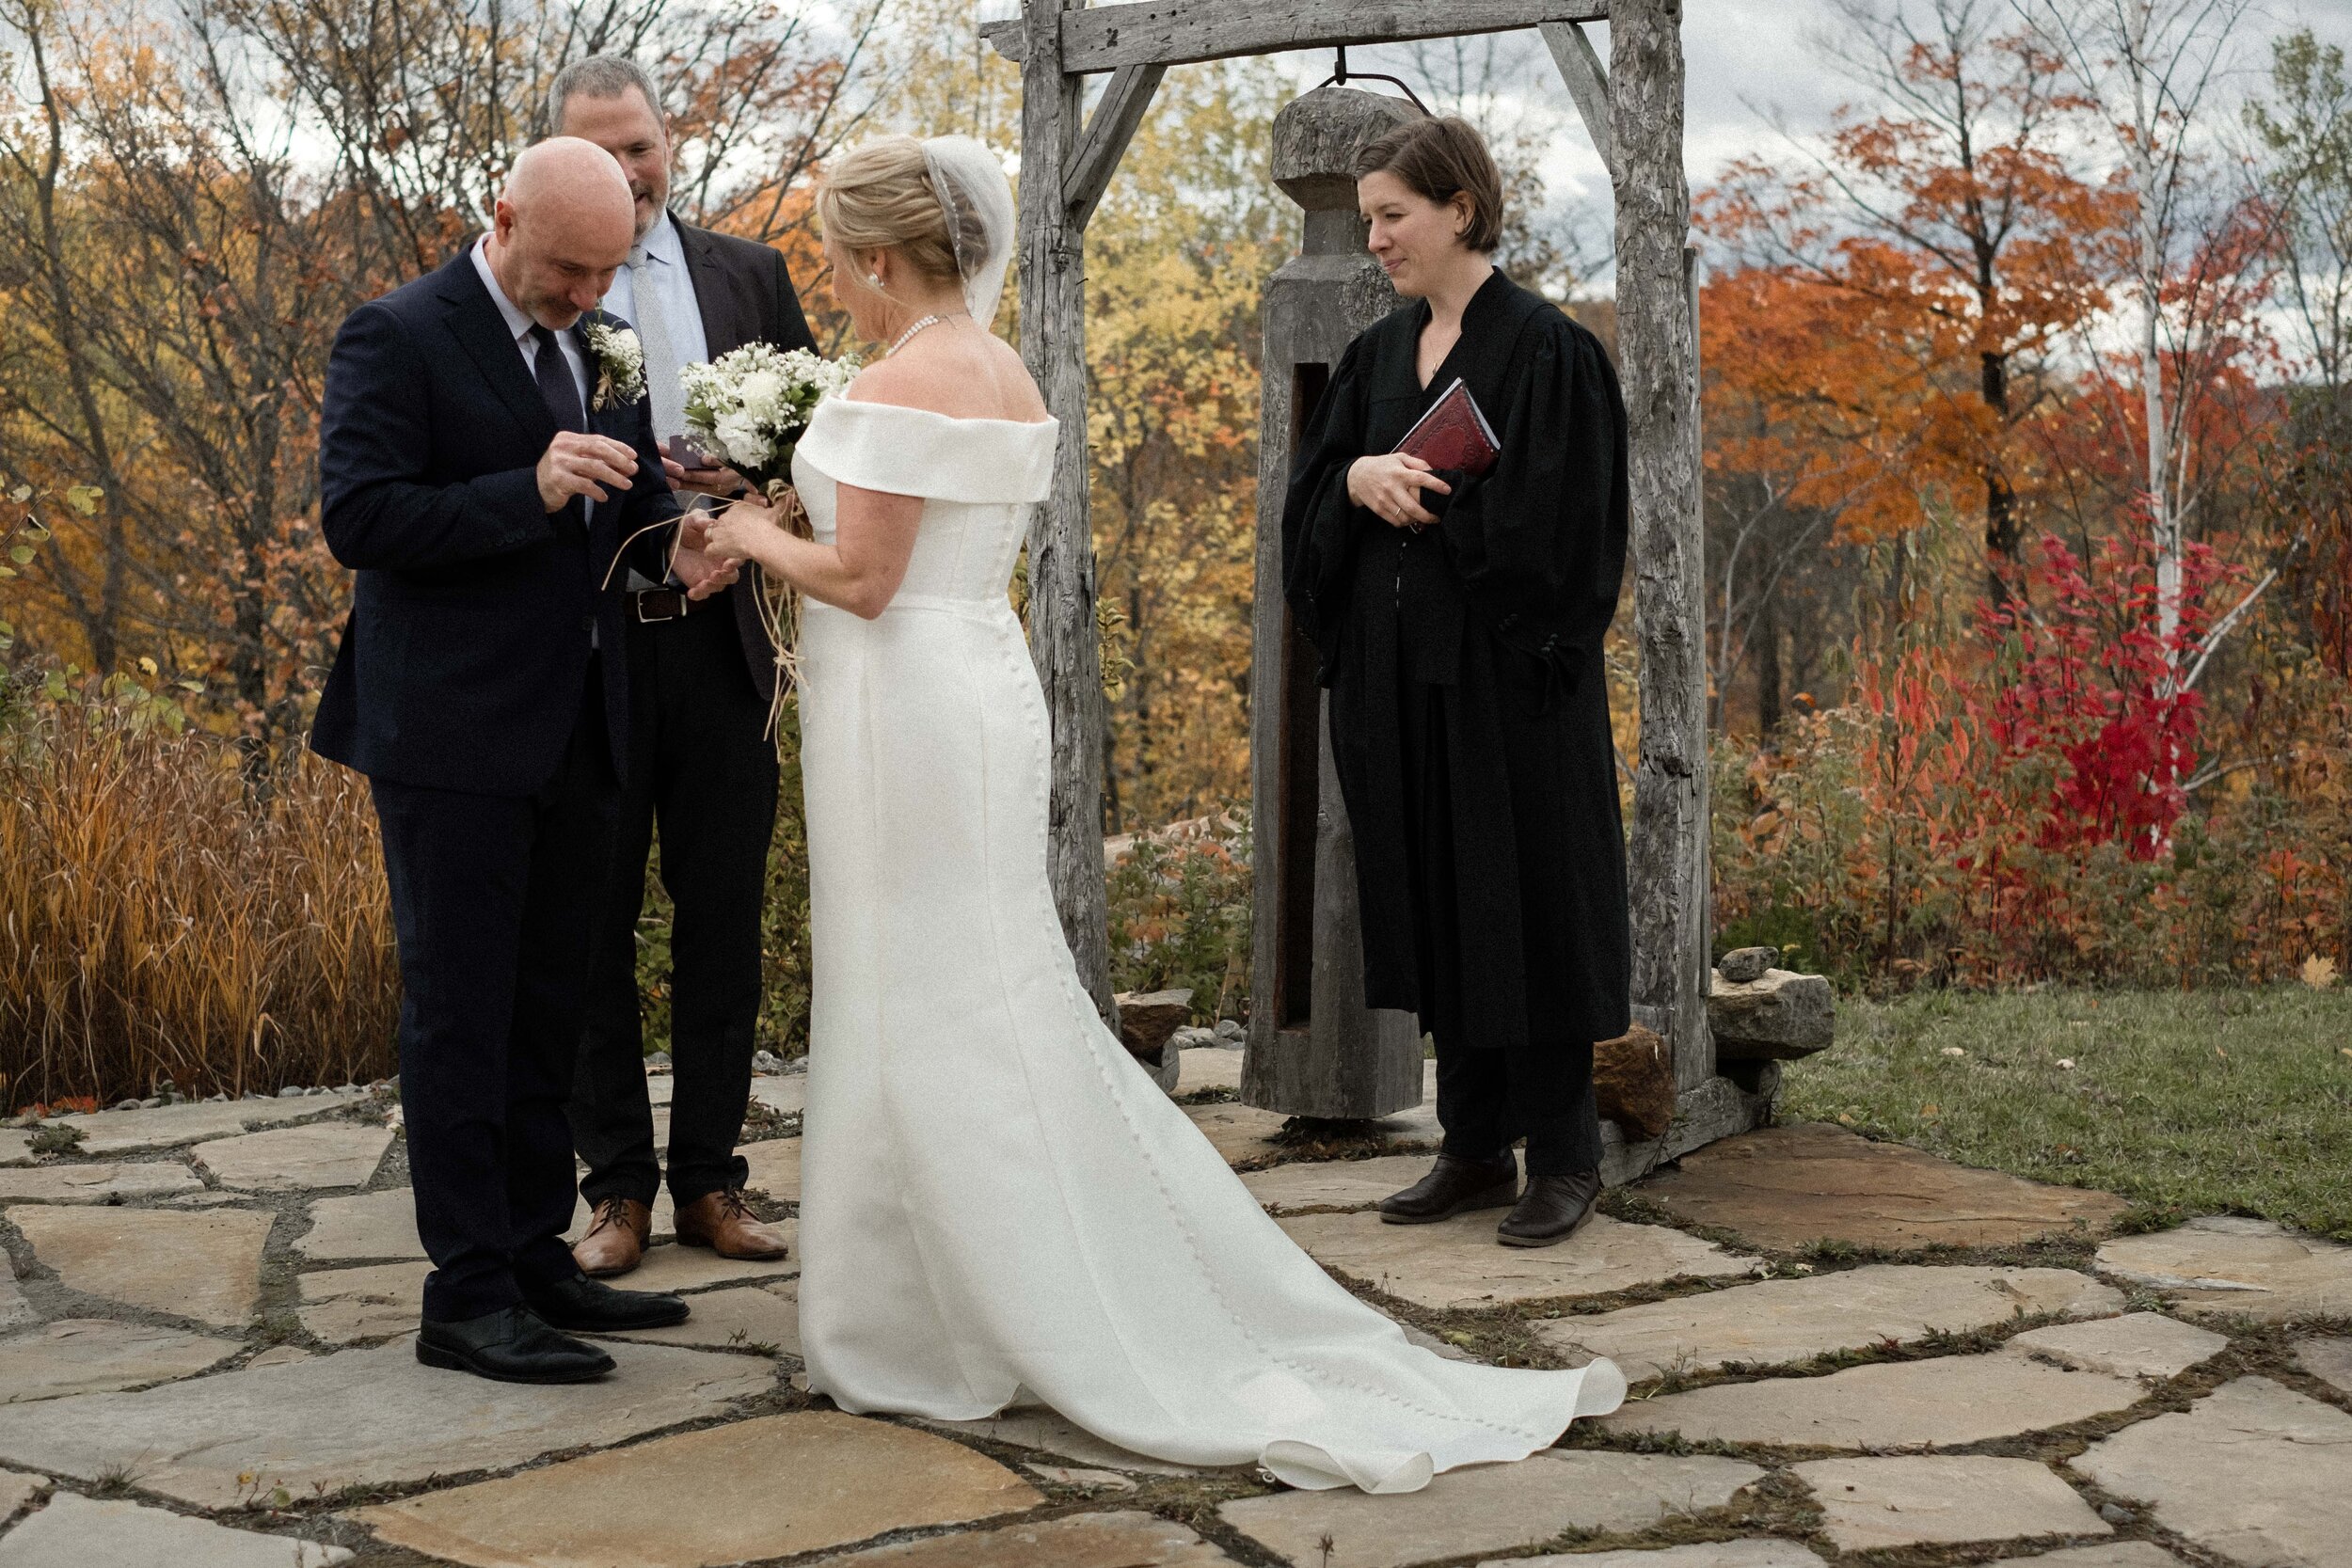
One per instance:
(205,1362)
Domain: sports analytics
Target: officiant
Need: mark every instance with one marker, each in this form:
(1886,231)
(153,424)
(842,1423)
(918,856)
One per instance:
(1459,622)
(702,766)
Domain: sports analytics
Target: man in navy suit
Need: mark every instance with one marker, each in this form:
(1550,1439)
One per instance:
(480,472)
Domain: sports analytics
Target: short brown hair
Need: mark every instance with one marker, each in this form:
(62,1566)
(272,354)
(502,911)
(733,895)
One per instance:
(1441,158)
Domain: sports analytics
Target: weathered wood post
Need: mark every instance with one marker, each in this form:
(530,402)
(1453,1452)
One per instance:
(1657,343)
(1063,636)
(1314,1048)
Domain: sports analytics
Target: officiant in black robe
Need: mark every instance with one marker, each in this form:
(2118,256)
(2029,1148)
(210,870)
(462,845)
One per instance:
(1461,643)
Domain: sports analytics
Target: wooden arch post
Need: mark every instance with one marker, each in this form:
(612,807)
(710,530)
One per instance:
(1633,110)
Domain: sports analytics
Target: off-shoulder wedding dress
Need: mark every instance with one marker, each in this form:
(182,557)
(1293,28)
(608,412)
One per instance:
(998,1205)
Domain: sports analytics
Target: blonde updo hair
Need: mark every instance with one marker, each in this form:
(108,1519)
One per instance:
(880,197)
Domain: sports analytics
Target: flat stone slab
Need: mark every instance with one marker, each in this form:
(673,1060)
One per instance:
(206,1265)
(1332,1183)
(786,1094)
(88,1356)
(16,1148)
(671,1267)
(1713,1554)
(1797,1319)
(2227,1264)
(1245,1134)
(1946,1402)
(776,1168)
(293,1425)
(1458,1262)
(1125,1539)
(777,1486)
(2328,1361)
(372,1301)
(1035,1427)
(765,1319)
(1485,1508)
(1208,1067)
(170,1126)
(366,1227)
(2145,1345)
(110,1183)
(2253,1471)
(1786,1187)
(1942,1500)
(297,1159)
(75,1532)
(15,1492)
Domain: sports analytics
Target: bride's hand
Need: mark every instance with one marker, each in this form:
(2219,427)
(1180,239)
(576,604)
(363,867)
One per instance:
(734,532)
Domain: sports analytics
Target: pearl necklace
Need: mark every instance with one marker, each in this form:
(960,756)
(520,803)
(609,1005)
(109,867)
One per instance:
(900,341)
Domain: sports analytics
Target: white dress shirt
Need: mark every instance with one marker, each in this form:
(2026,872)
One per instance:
(681,312)
(519,323)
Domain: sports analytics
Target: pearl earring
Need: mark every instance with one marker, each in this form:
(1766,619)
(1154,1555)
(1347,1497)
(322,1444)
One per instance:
(873,280)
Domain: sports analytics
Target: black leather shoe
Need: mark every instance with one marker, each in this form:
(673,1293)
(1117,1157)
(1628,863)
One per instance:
(1554,1208)
(1453,1186)
(510,1345)
(585,1306)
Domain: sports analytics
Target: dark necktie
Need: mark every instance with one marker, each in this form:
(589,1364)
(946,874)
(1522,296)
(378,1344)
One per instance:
(555,381)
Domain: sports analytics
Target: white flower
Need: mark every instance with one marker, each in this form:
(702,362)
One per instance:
(747,446)
(620,364)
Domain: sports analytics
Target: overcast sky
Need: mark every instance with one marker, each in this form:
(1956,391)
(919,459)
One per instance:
(1749,60)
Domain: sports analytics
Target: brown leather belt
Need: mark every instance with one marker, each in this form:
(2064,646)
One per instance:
(647,604)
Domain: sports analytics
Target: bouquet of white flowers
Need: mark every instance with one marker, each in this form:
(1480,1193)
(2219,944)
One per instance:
(750,409)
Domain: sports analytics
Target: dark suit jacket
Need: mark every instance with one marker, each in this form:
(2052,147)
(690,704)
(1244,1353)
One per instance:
(463,659)
(744,295)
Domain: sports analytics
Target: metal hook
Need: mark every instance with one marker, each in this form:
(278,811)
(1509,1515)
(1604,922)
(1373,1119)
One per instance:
(1341,76)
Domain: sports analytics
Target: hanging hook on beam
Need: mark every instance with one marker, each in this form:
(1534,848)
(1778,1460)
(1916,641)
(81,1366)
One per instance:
(1341,75)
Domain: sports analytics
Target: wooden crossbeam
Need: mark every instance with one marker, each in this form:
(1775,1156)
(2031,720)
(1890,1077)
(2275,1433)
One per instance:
(1181,32)
(1105,138)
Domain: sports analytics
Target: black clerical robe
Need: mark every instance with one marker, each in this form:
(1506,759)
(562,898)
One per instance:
(1468,711)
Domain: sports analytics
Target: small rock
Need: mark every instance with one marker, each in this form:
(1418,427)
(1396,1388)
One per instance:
(657,1062)
(292,1091)
(220,1098)
(152,1103)
(126,1105)
(1743,964)
(1192,1038)
(1231,1033)
(1779,1015)
(254,1094)
(2115,1514)
(1633,1079)
(767,1062)
(1147,1019)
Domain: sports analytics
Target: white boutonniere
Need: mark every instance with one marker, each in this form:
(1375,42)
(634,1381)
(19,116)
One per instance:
(620,365)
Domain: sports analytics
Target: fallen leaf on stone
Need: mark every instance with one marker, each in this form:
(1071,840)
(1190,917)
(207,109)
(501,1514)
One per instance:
(2066,1062)
(1954,1051)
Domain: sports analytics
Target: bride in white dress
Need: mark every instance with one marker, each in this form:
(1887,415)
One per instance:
(997,1204)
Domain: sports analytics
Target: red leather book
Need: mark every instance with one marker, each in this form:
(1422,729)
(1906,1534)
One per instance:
(1453,434)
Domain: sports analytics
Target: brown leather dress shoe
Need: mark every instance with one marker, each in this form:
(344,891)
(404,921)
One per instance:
(616,1238)
(721,1222)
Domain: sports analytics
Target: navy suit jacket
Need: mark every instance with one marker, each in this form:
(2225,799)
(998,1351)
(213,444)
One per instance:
(464,658)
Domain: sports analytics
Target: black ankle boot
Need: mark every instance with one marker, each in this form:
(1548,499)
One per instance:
(1554,1208)
(1453,1186)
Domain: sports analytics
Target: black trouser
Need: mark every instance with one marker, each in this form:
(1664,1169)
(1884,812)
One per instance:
(494,900)
(699,764)
(1539,1085)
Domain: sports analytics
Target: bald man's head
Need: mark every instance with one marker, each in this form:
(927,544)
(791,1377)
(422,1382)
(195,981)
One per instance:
(565,221)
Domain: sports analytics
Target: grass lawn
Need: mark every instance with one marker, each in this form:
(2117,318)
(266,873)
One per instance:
(2209,1103)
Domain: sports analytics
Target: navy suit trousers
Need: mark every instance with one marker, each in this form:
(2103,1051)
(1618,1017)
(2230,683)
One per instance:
(495,900)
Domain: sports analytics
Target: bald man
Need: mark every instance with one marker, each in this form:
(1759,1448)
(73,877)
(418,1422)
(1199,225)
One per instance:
(480,490)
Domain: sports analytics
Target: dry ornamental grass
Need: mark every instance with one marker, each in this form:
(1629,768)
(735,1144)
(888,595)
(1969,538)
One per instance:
(162,921)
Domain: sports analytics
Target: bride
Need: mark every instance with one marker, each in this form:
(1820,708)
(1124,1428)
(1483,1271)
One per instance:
(997,1204)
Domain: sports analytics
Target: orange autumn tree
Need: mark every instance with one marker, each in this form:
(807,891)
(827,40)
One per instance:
(1925,264)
